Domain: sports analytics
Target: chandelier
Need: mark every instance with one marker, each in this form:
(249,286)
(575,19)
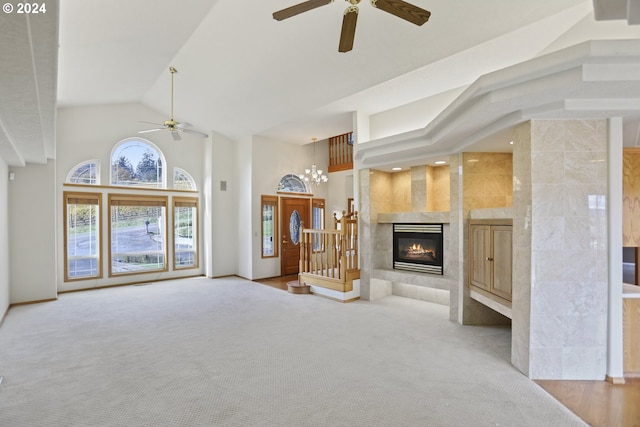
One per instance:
(314,175)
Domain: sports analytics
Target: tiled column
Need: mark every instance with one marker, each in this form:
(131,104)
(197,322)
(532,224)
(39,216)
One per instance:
(418,189)
(521,268)
(456,218)
(365,233)
(560,249)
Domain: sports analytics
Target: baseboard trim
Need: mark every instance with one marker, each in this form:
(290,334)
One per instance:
(335,299)
(4,316)
(138,282)
(615,380)
(17,304)
(225,276)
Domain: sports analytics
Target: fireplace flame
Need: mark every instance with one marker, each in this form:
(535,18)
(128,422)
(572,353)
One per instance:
(417,249)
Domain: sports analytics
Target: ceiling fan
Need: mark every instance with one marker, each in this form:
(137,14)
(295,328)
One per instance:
(399,8)
(173,126)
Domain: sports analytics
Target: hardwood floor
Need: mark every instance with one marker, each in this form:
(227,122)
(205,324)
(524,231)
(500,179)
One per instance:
(279,282)
(598,403)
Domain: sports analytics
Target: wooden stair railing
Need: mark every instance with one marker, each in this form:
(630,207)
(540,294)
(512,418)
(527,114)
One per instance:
(341,152)
(349,224)
(320,253)
(331,255)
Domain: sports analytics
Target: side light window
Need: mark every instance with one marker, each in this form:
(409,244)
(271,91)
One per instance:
(269,208)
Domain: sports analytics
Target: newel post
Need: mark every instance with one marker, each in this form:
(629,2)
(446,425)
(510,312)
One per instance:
(303,240)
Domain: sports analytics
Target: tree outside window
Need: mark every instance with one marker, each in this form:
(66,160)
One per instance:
(137,162)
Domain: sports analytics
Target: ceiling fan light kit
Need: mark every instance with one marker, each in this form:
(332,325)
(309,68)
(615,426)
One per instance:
(171,125)
(399,8)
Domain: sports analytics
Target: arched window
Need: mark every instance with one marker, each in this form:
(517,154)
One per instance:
(292,183)
(85,173)
(182,180)
(139,163)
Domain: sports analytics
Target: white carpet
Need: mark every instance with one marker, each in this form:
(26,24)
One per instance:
(230,352)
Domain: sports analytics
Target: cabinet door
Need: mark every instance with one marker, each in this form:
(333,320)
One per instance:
(502,238)
(631,330)
(480,265)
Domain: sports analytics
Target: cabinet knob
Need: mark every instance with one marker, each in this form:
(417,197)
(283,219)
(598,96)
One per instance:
(489,259)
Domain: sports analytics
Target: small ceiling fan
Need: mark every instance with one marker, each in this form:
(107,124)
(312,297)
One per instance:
(399,8)
(173,126)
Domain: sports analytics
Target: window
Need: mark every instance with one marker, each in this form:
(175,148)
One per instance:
(269,207)
(82,231)
(182,180)
(85,173)
(137,162)
(185,232)
(292,183)
(317,221)
(137,231)
(317,216)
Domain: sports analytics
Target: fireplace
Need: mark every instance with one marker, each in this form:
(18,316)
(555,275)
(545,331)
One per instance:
(418,247)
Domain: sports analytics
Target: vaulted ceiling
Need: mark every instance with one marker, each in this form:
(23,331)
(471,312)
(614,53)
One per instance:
(241,73)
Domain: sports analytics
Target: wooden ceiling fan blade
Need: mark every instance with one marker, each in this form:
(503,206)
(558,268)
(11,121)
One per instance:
(403,10)
(299,8)
(348,33)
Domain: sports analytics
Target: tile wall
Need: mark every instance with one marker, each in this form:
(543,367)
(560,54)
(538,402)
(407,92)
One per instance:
(560,249)
(438,184)
(487,180)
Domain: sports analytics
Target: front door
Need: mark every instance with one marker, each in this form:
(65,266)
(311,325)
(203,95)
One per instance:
(294,214)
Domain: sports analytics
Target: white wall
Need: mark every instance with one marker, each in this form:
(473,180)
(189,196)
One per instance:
(4,239)
(340,188)
(243,171)
(220,208)
(33,215)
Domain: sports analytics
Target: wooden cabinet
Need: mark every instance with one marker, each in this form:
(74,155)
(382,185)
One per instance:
(490,249)
(631,328)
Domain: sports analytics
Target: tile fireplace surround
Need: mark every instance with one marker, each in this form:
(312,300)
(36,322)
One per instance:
(422,286)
